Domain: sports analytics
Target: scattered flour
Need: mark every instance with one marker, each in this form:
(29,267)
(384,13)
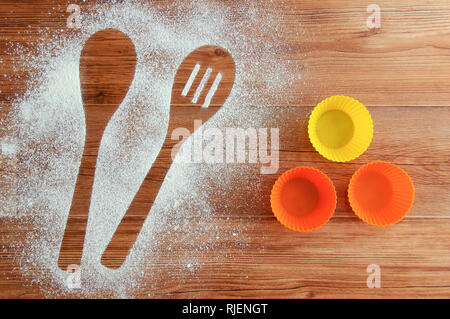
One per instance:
(9,148)
(46,132)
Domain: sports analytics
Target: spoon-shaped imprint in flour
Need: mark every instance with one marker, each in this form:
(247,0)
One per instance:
(107,65)
(202,84)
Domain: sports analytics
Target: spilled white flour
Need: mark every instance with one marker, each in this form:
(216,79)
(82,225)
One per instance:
(45,137)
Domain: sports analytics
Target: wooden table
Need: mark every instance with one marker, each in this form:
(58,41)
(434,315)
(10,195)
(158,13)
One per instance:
(401,73)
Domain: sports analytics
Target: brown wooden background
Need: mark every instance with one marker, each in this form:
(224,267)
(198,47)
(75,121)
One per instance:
(401,73)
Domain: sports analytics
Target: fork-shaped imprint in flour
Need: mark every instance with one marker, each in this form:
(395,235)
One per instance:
(202,84)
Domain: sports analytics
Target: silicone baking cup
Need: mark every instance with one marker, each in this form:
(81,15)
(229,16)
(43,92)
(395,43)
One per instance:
(303,199)
(381,193)
(340,128)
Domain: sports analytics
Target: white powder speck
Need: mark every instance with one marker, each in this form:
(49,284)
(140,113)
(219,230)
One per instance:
(8,148)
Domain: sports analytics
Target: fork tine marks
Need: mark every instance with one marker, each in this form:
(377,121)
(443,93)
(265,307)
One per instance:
(191,79)
(201,86)
(212,90)
(206,81)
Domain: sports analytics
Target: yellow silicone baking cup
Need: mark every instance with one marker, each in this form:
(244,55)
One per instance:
(340,128)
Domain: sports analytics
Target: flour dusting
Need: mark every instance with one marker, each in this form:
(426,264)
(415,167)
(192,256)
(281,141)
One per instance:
(45,135)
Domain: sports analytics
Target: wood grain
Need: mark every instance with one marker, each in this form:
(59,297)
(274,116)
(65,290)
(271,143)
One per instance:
(107,65)
(400,72)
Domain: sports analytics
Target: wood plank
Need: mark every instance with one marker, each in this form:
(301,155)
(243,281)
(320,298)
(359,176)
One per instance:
(276,262)
(404,63)
(399,72)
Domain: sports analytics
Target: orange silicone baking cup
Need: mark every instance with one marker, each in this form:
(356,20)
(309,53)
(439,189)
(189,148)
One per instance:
(381,193)
(303,199)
